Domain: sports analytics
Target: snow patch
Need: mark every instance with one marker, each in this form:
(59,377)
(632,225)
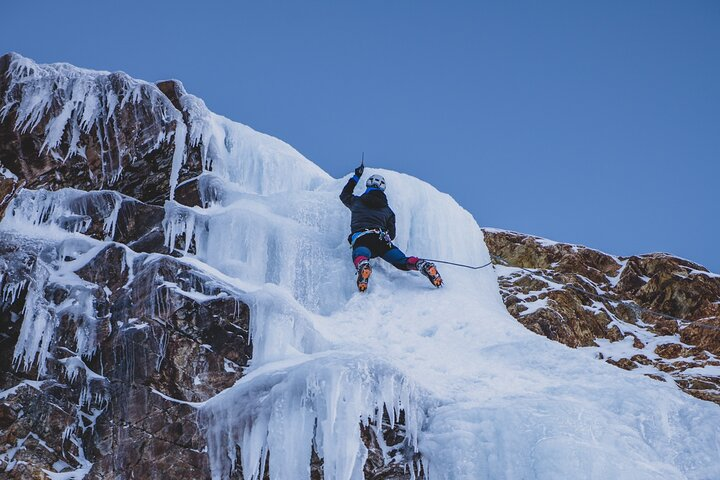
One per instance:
(5,173)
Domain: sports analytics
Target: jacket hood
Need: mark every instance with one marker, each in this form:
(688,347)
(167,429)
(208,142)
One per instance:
(374,199)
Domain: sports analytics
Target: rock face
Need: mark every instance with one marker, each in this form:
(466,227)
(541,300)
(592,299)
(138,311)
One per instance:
(114,381)
(109,338)
(657,314)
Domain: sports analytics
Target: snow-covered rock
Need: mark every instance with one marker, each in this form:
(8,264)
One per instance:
(108,344)
(656,314)
(62,126)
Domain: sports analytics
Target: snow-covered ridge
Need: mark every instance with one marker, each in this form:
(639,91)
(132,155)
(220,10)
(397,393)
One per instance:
(482,398)
(75,107)
(654,314)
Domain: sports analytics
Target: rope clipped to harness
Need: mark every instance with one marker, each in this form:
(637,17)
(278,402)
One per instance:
(632,305)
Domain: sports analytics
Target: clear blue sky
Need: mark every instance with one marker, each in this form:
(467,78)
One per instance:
(587,122)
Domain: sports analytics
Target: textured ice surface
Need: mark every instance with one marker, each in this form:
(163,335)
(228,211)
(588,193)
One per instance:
(68,210)
(496,401)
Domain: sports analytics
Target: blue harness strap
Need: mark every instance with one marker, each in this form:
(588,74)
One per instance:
(357,235)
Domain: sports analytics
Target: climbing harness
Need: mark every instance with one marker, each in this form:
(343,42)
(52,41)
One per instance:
(382,234)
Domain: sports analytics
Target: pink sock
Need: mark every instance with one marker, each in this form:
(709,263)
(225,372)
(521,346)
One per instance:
(359,259)
(412,263)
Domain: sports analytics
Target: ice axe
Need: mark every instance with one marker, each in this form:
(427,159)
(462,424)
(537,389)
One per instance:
(359,170)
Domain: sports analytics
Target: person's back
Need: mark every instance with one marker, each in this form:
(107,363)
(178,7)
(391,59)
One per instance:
(370,210)
(372,226)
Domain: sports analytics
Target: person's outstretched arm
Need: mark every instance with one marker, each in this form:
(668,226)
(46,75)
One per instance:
(346,196)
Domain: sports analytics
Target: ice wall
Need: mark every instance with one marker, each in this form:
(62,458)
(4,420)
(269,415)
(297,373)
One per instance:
(298,239)
(456,349)
(281,232)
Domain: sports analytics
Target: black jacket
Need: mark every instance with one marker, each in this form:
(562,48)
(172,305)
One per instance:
(369,210)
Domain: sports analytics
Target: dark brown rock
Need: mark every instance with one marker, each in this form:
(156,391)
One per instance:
(668,350)
(160,349)
(703,333)
(8,188)
(624,363)
(641,359)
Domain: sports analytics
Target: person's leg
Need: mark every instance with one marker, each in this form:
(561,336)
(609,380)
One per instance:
(399,260)
(365,248)
(360,254)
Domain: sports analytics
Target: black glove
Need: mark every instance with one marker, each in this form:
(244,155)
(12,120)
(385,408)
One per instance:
(359,171)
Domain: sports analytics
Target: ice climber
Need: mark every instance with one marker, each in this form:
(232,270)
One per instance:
(373,230)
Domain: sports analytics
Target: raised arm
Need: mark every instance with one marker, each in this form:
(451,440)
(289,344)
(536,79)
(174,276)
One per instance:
(346,196)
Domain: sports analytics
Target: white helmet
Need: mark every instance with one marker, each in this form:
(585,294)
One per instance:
(376,181)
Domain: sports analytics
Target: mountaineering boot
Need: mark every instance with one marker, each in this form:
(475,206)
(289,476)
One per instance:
(430,271)
(363,275)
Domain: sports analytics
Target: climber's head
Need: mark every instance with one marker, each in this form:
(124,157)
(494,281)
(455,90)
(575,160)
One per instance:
(376,181)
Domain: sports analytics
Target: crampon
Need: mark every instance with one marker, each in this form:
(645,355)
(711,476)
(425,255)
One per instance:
(363,276)
(430,271)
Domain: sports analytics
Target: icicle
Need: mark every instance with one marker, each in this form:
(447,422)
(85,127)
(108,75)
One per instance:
(212,189)
(174,224)
(68,209)
(159,303)
(111,218)
(38,327)
(186,223)
(162,347)
(178,154)
(11,291)
(80,308)
(41,316)
(319,400)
